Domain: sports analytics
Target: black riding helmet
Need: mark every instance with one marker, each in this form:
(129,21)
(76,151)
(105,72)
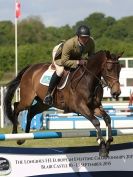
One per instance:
(83,30)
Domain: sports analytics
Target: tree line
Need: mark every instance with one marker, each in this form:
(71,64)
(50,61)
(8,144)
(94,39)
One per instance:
(36,41)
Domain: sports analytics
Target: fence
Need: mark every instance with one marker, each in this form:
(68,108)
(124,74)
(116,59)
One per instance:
(121,114)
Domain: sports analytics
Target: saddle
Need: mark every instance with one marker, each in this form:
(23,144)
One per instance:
(61,85)
(46,77)
(64,77)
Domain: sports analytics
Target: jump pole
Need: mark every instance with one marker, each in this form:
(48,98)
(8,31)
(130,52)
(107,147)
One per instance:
(64,134)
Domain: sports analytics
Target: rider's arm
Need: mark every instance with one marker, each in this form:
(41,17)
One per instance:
(66,57)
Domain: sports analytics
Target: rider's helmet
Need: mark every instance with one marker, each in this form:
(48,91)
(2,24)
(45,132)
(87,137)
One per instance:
(83,30)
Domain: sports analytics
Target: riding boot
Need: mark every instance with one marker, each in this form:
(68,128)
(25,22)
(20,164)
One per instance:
(48,100)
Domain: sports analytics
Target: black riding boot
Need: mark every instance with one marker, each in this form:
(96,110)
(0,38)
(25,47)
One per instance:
(48,100)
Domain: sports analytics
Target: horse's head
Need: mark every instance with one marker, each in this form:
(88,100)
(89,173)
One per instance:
(111,73)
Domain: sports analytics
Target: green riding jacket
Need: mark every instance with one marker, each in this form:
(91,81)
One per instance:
(71,51)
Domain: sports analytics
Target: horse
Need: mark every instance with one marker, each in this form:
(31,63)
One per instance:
(82,94)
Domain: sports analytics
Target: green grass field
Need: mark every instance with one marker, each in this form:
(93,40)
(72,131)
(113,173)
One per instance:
(62,142)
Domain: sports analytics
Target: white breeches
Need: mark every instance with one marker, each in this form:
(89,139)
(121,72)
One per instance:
(59,69)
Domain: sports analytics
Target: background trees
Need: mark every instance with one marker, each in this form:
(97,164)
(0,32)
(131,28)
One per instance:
(36,41)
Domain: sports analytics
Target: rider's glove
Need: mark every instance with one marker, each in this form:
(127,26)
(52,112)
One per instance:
(82,62)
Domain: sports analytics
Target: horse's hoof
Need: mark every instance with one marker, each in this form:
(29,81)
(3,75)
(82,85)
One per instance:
(20,142)
(103,151)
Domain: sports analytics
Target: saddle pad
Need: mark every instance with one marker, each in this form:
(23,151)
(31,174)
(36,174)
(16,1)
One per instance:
(46,77)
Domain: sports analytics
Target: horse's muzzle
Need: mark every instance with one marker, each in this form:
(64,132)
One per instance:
(115,90)
(116,94)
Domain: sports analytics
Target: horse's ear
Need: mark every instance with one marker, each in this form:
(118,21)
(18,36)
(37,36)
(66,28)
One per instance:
(119,55)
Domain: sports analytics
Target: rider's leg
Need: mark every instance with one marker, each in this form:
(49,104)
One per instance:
(48,100)
(53,82)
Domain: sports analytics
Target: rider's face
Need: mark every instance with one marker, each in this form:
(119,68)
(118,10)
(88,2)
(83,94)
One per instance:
(83,39)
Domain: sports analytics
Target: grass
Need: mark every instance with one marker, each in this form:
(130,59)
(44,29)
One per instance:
(61,142)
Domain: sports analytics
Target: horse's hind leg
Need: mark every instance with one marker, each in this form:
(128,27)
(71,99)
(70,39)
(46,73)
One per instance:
(37,108)
(18,107)
(32,111)
(101,113)
(15,122)
(29,118)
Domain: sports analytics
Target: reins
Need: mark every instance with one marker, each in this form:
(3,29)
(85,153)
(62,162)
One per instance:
(81,76)
(103,83)
(78,78)
(86,69)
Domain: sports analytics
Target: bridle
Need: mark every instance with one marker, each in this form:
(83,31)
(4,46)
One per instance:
(115,79)
(81,76)
(101,82)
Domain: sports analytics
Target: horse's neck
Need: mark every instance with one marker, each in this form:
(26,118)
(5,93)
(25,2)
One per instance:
(92,70)
(95,66)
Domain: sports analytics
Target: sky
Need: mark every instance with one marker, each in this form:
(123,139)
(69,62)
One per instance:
(62,12)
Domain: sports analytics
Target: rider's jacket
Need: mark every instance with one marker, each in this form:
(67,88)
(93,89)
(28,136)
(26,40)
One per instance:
(71,51)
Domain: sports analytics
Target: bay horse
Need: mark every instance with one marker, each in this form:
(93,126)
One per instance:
(82,94)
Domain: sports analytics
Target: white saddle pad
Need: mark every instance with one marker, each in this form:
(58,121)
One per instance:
(46,77)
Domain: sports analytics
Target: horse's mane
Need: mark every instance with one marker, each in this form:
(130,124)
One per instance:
(97,54)
(107,53)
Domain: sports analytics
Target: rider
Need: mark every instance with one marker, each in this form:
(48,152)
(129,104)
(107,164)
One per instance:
(73,51)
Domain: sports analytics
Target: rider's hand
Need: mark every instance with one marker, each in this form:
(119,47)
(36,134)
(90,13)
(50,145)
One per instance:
(82,62)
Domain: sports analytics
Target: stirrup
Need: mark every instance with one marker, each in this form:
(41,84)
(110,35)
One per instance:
(48,100)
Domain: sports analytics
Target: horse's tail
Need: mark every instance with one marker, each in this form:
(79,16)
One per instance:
(11,88)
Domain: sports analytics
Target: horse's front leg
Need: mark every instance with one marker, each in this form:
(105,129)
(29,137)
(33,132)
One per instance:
(89,114)
(102,145)
(109,137)
(101,113)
